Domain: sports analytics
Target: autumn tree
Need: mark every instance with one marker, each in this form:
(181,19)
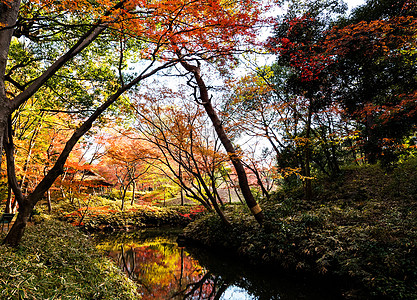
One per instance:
(201,96)
(146,31)
(374,57)
(189,153)
(125,160)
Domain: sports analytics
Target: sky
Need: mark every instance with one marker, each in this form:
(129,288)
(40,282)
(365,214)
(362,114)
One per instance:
(354,3)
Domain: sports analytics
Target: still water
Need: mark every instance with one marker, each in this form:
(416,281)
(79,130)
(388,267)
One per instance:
(163,270)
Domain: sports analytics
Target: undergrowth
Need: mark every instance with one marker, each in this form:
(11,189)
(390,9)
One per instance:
(56,261)
(361,228)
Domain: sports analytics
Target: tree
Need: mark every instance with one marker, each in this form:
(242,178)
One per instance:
(208,29)
(364,65)
(126,159)
(375,55)
(300,59)
(189,154)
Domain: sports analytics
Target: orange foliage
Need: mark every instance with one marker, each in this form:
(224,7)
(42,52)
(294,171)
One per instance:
(380,37)
(197,26)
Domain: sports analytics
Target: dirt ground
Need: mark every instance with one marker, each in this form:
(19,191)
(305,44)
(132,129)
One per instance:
(224,195)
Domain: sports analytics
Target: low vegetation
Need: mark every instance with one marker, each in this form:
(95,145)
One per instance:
(362,227)
(103,214)
(56,261)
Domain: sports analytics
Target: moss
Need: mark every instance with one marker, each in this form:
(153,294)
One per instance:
(55,261)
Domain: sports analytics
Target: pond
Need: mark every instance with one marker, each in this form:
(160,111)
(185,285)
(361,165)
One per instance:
(164,270)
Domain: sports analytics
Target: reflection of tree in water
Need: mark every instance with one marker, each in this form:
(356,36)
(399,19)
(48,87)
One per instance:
(209,286)
(126,259)
(165,271)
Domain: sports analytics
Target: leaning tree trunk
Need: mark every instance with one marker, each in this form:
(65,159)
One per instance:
(26,204)
(8,16)
(227,144)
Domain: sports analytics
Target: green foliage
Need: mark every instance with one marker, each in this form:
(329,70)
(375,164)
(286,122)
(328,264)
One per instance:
(55,261)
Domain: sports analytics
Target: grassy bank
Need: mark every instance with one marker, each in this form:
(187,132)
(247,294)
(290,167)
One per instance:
(360,228)
(56,261)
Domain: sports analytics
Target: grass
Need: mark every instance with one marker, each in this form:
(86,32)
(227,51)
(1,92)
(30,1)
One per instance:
(56,261)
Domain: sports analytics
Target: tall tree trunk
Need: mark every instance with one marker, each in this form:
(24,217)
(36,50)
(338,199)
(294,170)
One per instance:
(8,16)
(307,172)
(133,192)
(227,144)
(26,204)
(48,199)
(9,209)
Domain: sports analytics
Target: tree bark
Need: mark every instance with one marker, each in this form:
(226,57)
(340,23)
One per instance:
(8,16)
(307,170)
(133,192)
(226,142)
(8,209)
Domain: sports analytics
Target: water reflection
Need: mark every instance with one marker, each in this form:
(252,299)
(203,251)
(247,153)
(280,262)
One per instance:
(166,271)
